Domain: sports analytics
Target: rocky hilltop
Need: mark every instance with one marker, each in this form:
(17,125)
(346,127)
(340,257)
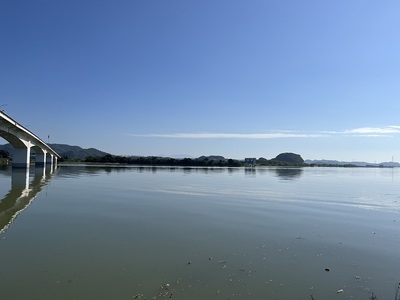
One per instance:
(290,158)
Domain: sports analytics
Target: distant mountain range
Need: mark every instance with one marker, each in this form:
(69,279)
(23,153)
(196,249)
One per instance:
(76,152)
(353,163)
(65,151)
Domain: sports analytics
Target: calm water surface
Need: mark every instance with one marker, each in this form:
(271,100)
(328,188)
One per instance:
(173,233)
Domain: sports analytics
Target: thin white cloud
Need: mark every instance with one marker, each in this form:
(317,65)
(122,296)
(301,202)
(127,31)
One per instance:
(387,131)
(231,135)
(372,132)
(371,135)
(375,130)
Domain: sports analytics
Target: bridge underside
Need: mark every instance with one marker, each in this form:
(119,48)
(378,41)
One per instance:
(21,157)
(23,141)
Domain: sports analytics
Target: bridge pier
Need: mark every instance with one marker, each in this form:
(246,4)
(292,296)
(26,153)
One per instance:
(40,158)
(23,140)
(49,160)
(21,157)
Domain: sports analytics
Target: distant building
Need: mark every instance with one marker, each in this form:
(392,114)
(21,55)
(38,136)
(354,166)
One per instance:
(250,161)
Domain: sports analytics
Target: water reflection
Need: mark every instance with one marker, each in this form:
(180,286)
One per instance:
(250,172)
(99,169)
(23,191)
(124,233)
(288,173)
(280,172)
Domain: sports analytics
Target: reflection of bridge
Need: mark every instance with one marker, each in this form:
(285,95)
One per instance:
(21,194)
(23,140)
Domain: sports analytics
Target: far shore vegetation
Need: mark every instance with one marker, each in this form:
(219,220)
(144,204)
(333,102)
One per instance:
(4,157)
(282,160)
(211,161)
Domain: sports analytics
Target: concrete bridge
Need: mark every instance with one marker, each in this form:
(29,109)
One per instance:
(23,141)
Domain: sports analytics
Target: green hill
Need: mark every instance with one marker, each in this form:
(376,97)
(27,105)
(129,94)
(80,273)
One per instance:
(290,158)
(65,151)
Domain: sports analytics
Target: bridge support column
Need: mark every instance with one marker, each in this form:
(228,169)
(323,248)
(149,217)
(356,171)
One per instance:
(21,157)
(50,159)
(40,159)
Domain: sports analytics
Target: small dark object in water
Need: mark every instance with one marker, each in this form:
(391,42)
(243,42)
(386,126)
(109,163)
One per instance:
(189,262)
(327,269)
(397,296)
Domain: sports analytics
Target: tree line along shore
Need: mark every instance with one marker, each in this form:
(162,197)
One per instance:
(282,160)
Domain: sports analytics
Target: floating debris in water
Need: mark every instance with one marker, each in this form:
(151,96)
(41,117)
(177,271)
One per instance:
(233,275)
(165,286)
(397,296)
(222,262)
(373,296)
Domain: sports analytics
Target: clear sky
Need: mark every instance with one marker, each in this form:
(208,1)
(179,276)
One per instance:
(211,77)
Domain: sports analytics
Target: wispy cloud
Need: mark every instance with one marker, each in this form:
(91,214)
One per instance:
(373,135)
(209,135)
(374,130)
(388,131)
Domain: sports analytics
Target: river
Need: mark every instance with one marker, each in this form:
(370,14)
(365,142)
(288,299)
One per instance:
(103,232)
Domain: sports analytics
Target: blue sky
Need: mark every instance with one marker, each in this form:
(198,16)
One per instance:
(232,78)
